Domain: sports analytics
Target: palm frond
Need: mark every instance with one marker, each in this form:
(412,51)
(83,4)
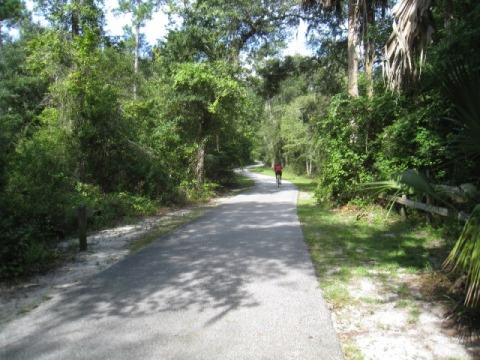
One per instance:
(460,82)
(465,257)
(415,181)
(459,194)
(412,32)
(405,182)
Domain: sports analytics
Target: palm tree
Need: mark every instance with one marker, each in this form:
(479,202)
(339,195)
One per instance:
(412,32)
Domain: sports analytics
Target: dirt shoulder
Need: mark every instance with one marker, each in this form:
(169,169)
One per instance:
(398,320)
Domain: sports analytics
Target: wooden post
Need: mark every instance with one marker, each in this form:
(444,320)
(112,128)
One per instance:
(428,215)
(403,209)
(82,227)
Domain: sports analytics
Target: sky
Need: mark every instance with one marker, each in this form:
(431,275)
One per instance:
(155,29)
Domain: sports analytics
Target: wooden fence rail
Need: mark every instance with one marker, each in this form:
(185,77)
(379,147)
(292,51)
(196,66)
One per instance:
(429,208)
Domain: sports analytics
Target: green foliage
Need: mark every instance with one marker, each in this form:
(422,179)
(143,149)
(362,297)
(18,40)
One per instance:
(210,108)
(465,257)
(21,252)
(343,149)
(110,207)
(365,139)
(10,9)
(192,193)
(413,136)
(72,132)
(461,84)
(456,35)
(223,29)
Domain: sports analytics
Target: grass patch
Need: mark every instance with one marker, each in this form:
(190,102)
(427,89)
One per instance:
(413,316)
(27,309)
(169,223)
(350,243)
(402,304)
(243,182)
(336,294)
(370,300)
(351,351)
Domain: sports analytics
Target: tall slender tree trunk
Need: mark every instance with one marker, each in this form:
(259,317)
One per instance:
(309,166)
(200,163)
(448,10)
(136,54)
(369,46)
(353,16)
(75,19)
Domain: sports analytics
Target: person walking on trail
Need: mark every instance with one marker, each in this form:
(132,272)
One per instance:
(278,171)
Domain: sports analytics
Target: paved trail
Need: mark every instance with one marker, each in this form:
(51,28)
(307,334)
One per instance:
(236,283)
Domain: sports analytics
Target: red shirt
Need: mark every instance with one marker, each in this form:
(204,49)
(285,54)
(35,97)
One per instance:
(277,167)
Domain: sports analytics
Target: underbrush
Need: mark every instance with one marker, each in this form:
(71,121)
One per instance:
(29,239)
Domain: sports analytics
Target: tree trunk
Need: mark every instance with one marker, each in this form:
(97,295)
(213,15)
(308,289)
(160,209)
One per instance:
(136,55)
(75,23)
(309,167)
(200,166)
(369,47)
(75,19)
(352,48)
(448,11)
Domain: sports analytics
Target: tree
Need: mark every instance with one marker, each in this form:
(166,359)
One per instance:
(369,29)
(333,9)
(256,28)
(10,10)
(362,26)
(353,16)
(292,91)
(298,131)
(210,101)
(21,95)
(73,16)
(141,11)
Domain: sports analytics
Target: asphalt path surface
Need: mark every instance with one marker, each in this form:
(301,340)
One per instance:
(236,283)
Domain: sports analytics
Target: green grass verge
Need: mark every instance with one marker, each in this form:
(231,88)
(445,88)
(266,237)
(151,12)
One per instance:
(349,244)
(352,242)
(168,224)
(243,183)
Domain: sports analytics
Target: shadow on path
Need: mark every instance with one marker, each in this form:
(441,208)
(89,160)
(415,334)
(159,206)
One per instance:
(225,261)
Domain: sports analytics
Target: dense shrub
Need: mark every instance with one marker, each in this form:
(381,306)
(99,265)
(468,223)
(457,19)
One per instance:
(366,139)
